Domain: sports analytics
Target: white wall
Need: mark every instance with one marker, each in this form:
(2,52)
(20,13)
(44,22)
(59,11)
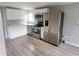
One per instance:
(71,22)
(2,41)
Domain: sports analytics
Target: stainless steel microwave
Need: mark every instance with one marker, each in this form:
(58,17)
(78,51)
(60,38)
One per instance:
(38,15)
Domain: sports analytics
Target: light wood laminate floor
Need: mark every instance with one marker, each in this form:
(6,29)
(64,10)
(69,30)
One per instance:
(30,46)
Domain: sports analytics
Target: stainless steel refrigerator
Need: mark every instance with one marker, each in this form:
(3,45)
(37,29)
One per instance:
(53,27)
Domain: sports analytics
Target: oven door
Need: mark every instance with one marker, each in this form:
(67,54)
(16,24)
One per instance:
(36,31)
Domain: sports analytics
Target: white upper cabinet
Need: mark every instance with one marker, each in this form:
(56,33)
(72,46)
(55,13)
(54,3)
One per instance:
(15,14)
(44,10)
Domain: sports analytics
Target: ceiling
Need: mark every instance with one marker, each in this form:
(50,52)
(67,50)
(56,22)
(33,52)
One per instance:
(31,5)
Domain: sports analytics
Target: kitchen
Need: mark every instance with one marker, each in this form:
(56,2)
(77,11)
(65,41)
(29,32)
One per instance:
(36,23)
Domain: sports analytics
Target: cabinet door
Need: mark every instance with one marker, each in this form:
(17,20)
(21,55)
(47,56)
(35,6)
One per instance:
(42,32)
(15,14)
(46,16)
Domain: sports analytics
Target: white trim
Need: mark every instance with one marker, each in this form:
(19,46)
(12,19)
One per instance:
(72,44)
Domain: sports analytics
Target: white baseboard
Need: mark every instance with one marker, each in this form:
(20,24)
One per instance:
(72,44)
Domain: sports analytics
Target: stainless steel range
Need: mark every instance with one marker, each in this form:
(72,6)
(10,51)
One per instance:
(36,31)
